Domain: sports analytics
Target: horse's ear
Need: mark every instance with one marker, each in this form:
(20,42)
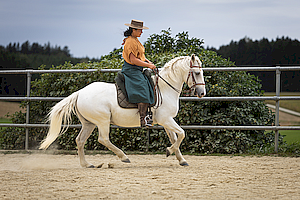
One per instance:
(193,58)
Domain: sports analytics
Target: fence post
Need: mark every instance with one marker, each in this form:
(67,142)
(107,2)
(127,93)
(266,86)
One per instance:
(277,106)
(27,109)
(148,139)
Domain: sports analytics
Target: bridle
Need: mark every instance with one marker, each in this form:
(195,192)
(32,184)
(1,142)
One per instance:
(191,74)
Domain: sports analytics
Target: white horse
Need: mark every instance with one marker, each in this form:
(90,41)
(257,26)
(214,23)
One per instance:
(96,105)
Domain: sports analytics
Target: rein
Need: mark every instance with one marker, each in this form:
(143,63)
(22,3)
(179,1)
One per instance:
(157,74)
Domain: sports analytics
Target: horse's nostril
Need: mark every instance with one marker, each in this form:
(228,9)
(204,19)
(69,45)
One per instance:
(202,94)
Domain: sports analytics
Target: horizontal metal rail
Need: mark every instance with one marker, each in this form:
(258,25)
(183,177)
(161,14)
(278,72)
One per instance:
(187,127)
(276,98)
(32,71)
(246,98)
(222,69)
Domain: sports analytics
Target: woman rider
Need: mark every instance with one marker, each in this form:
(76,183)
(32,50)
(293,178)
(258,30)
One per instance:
(139,89)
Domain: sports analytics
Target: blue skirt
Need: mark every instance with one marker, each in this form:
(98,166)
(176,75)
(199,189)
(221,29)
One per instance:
(138,87)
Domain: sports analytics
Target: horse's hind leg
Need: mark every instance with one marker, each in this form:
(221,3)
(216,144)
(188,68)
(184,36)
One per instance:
(104,139)
(173,139)
(86,130)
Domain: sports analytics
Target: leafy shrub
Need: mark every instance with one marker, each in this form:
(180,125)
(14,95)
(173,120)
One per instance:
(161,48)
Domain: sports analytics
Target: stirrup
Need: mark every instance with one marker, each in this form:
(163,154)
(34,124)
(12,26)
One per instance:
(148,121)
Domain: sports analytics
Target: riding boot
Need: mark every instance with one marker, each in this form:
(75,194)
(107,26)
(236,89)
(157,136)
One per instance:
(145,117)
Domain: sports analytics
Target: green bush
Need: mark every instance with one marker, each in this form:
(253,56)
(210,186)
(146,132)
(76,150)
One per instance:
(161,49)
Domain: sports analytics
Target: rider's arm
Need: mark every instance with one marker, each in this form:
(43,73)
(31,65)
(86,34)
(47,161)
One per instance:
(134,60)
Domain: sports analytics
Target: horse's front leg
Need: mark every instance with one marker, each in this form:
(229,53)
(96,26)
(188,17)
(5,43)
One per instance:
(171,125)
(173,139)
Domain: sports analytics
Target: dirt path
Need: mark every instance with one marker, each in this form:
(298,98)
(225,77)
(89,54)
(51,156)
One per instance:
(44,176)
(9,107)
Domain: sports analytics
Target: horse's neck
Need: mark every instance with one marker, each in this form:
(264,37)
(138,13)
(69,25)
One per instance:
(165,88)
(175,75)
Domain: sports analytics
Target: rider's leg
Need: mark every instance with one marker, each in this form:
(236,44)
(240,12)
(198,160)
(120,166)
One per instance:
(145,118)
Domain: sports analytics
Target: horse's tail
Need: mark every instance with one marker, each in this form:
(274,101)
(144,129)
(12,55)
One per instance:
(60,112)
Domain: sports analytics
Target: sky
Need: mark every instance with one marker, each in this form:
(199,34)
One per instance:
(94,28)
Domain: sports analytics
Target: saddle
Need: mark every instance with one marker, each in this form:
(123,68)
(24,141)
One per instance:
(121,91)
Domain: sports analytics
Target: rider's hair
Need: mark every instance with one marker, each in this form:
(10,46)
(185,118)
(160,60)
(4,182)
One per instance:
(128,32)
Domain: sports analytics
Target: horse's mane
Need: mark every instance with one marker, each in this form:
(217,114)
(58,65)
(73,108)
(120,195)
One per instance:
(170,70)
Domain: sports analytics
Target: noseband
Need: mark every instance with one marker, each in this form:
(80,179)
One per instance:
(191,74)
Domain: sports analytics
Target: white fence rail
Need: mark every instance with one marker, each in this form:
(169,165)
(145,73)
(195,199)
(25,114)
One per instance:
(276,98)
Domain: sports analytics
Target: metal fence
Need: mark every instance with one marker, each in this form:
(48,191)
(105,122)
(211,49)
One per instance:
(276,98)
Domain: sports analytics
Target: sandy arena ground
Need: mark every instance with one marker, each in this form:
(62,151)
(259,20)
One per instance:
(44,176)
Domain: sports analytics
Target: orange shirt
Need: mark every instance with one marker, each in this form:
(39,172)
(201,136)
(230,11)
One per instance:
(133,45)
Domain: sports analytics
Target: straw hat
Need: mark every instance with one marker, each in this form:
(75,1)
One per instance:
(137,24)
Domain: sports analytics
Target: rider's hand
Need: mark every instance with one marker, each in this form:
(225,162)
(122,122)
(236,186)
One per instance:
(148,61)
(151,66)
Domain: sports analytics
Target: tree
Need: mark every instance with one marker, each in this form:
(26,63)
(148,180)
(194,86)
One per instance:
(164,43)
(30,56)
(282,51)
(25,48)
(66,51)
(36,48)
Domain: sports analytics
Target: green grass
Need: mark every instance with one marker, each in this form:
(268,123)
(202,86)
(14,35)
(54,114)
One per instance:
(5,121)
(291,136)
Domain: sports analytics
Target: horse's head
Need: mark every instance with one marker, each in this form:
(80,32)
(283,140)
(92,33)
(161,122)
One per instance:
(195,79)
(188,69)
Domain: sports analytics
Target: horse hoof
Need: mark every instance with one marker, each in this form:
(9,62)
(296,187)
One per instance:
(99,166)
(111,165)
(126,161)
(168,152)
(91,166)
(185,164)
